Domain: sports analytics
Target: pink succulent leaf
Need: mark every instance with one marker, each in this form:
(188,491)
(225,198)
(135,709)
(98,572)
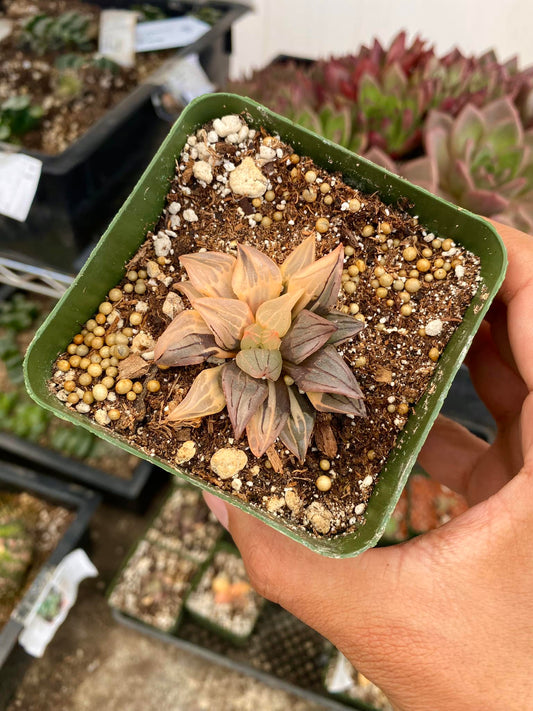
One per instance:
(484,202)
(302,256)
(379,157)
(308,333)
(205,397)
(227,319)
(210,273)
(347,327)
(423,172)
(331,402)
(260,363)
(186,341)
(256,278)
(324,371)
(468,128)
(269,419)
(244,395)
(296,435)
(437,149)
(330,293)
(255,336)
(189,290)
(314,278)
(460,179)
(276,314)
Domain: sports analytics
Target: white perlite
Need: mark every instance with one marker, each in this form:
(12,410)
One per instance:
(319,517)
(227,125)
(228,461)
(434,327)
(162,244)
(174,208)
(186,452)
(189,215)
(202,171)
(248,180)
(101,417)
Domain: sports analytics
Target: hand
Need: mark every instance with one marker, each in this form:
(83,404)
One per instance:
(444,621)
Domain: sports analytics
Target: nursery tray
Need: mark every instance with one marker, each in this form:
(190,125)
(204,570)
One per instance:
(127,232)
(82,187)
(77,470)
(281,652)
(76,498)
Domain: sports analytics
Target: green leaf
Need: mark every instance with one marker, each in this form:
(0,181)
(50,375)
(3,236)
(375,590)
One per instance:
(297,432)
(244,395)
(269,419)
(260,363)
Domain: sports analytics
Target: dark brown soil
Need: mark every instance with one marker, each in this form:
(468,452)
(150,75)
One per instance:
(66,116)
(393,357)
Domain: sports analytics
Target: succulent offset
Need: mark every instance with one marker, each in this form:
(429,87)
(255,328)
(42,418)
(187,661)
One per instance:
(44,33)
(273,331)
(16,551)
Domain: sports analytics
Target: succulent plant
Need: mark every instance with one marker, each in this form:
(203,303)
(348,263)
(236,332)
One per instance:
(43,33)
(16,551)
(482,160)
(276,330)
(18,116)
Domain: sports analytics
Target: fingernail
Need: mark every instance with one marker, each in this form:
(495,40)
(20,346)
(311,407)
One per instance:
(218,508)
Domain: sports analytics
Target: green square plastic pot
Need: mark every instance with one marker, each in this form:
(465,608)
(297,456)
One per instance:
(140,212)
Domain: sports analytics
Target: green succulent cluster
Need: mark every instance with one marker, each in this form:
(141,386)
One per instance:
(16,551)
(18,116)
(44,33)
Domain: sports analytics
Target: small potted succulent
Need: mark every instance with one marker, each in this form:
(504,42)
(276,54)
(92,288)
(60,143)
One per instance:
(223,600)
(292,330)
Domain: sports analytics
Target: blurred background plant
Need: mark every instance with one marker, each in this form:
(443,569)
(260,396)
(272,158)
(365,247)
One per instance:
(460,126)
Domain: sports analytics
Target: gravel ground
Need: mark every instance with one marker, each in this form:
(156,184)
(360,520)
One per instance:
(94,663)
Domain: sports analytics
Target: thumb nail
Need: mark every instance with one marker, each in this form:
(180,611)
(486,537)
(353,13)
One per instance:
(218,508)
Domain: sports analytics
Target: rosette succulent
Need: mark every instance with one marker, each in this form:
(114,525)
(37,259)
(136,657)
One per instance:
(16,551)
(272,330)
(482,160)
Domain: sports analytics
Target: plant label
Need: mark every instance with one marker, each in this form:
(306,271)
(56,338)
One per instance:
(116,38)
(19,177)
(185,79)
(167,34)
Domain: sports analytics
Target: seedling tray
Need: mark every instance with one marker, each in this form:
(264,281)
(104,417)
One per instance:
(76,498)
(81,188)
(281,652)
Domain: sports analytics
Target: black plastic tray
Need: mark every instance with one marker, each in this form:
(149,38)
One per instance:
(76,470)
(81,188)
(281,652)
(82,501)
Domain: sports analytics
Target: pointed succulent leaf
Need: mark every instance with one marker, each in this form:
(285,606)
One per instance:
(314,278)
(331,402)
(276,314)
(227,319)
(324,371)
(210,273)
(186,341)
(299,258)
(205,397)
(298,429)
(308,333)
(269,419)
(255,336)
(244,395)
(260,363)
(330,293)
(347,327)
(256,278)
(189,290)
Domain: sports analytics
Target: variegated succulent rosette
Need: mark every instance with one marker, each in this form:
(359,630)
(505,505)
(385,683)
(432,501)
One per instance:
(268,335)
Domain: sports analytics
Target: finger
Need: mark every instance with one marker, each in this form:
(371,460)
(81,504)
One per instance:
(517,294)
(451,454)
(497,383)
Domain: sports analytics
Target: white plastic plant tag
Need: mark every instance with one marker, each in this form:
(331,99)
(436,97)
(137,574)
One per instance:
(185,79)
(341,678)
(19,177)
(167,34)
(54,602)
(116,37)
